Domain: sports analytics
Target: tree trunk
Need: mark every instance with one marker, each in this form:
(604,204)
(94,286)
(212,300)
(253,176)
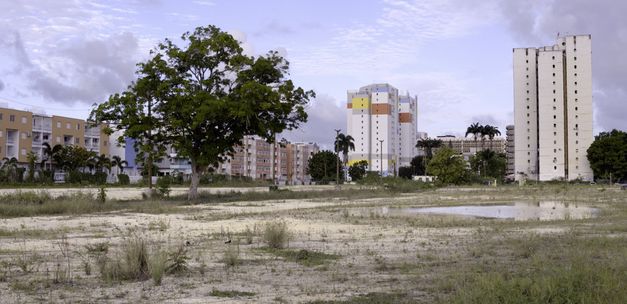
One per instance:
(193,188)
(150,172)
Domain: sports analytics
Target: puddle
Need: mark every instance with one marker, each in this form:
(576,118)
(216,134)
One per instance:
(519,211)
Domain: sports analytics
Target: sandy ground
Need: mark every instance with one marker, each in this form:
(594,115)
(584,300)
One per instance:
(378,252)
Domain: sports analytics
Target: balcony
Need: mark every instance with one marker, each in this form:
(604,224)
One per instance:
(42,126)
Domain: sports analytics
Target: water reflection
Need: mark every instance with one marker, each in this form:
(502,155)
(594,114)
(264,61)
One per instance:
(519,211)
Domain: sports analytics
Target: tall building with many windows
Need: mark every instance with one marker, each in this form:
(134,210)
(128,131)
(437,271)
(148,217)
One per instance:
(553,110)
(383,125)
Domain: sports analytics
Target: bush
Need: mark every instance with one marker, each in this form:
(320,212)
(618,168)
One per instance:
(276,234)
(231,256)
(405,172)
(123,179)
(163,185)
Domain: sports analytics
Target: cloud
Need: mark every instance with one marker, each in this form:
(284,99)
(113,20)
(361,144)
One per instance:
(395,37)
(539,22)
(86,71)
(274,28)
(325,115)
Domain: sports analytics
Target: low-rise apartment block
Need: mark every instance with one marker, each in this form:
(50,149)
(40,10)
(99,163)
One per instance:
(25,131)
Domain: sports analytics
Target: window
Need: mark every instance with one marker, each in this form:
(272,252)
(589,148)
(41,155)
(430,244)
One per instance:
(78,126)
(11,118)
(77,140)
(23,119)
(553,57)
(576,108)
(554,116)
(58,124)
(58,139)
(0,116)
(68,125)
(23,151)
(575,58)
(553,66)
(575,91)
(554,167)
(45,137)
(23,135)
(575,66)
(553,74)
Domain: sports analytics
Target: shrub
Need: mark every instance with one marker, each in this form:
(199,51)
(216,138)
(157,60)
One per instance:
(123,179)
(276,234)
(163,185)
(102,195)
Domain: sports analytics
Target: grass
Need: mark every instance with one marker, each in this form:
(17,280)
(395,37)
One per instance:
(371,298)
(302,256)
(230,293)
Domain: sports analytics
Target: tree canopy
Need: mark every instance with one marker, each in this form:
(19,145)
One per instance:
(322,166)
(203,97)
(357,171)
(448,167)
(608,155)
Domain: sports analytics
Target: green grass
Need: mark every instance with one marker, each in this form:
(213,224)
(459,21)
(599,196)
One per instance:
(304,257)
(563,268)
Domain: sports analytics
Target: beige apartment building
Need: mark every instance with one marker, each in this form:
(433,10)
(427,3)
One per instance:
(24,131)
(468,146)
(285,163)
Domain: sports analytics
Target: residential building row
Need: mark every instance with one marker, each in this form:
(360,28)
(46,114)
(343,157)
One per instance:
(383,125)
(283,162)
(553,110)
(24,131)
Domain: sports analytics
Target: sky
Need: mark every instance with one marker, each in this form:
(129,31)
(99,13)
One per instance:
(455,56)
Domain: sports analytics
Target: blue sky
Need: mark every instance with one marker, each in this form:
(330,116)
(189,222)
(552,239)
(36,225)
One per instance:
(454,55)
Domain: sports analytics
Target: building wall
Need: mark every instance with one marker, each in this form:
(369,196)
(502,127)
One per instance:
(525,113)
(510,150)
(407,129)
(578,54)
(551,118)
(15,133)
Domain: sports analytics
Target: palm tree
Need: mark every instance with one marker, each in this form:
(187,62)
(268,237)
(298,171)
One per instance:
(9,167)
(117,161)
(491,132)
(344,143)
(102,161)
(46,155)
(476,130)
(428,144)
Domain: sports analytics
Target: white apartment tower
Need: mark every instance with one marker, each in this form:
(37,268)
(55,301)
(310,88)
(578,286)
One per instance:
(553,110)
(383,125)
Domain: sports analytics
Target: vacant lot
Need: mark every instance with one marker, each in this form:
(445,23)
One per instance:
(313,247)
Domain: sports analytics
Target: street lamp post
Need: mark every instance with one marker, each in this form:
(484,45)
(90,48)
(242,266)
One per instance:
(381,157)
(337,160)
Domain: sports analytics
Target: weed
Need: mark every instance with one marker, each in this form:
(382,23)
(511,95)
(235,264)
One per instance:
(231,256)
(303,256)
(276,234)
(131,263)
(157,266)
(102,195)
(178,260)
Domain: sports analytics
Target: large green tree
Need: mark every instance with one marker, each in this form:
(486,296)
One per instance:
(448,167)
(489,164)
(208,95)
(608,155)
(322,166)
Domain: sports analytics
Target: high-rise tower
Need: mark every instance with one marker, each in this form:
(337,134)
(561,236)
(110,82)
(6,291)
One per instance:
(383,125)
(553,110)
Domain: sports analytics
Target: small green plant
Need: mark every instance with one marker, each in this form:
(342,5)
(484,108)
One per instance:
(178,260)
(276,234)
(123,179)
(248,235)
